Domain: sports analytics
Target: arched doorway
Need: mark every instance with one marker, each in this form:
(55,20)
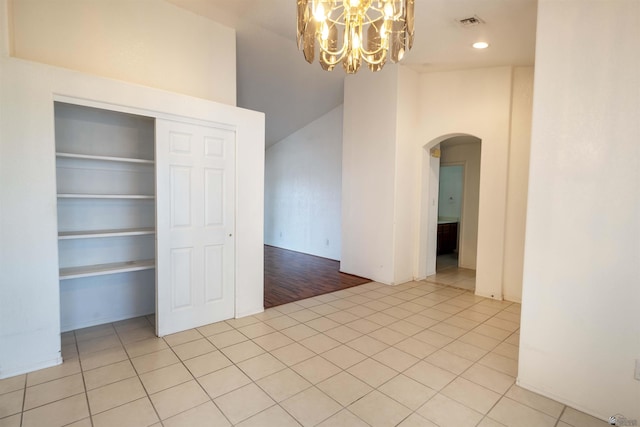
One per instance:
(463,150)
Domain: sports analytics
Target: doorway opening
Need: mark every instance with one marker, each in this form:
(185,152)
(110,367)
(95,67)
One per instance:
(453,195)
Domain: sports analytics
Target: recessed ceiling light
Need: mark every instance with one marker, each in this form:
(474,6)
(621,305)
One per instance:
(481,45)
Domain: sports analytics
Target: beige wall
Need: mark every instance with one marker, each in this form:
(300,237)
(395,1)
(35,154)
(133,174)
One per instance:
(518,180)
(148,42)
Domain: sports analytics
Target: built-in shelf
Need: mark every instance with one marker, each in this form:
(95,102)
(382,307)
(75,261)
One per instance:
(63,235)
(104,196)
(104,158)
(102,269)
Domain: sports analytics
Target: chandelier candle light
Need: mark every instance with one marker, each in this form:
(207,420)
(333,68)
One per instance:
(352,31)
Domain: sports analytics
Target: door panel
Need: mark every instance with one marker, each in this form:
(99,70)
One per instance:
(195,217)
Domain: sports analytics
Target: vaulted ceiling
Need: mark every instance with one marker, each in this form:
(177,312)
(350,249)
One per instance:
(273,77)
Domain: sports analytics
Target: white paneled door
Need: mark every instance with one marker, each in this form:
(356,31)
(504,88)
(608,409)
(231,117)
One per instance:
(195,168)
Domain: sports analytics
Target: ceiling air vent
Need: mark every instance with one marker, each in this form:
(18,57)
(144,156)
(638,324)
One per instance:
(471,21)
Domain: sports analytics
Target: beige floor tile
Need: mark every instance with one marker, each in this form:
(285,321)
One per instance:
(51,391)
(429,375)
(182,337)
(360,310)
(135,335)
(242,321)
(395,359)
(367,345)
(342,304)
(507,350)
(503,324)
(448,330)
(82,423)
(256,330)
(322,324)
(214,328)
(11,403)
(284,384)
(387,336)
(492,332)
(292,354)
(273,341)
(242,351)
(376,409)
(488,422)
(409,392)
(14,421)
(130,324)
(140,348)
(324,309)
(319,343)
(343,334)
(69,352)
(99,344)
(363,326)
(405,328)
(500,363)
(261,366)
(58,413)
(381,319)
(376,305)
(316,369)
(309,302)
(471,395)
(193,349)
(343,418)
(243,403)
(137,413)
(292,307)
(304,315)
(467,351)
(433,338)
(299,332)
(108,374)
(207,363)
(178,399)
(446,412)
(223,381)
(511,413)
(474,315)
(205,415)
(311,407)
(513,339)
(282,322)
(116,394)
(415,420)
(92,332)
(489,378)
(482,341)
(372,372)
(580,419)
(344,388)
(449,361)
(153,361)
(102,358)
(508,316)
(164,378)
(397,312)
(274,416)
(13,383)
(416,347)
(535,401)
(69,367)
(343,356)
(227,338)
(461,322)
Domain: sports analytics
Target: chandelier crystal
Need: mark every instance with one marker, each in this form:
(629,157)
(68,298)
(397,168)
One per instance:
(353,31)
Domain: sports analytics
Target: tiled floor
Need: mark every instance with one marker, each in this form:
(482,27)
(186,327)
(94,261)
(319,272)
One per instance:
(448,273)
(418,354)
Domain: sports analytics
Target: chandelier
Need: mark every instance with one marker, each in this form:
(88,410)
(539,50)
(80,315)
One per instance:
(353,31)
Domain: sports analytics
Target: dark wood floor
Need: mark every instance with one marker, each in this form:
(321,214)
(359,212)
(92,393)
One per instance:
(292,276)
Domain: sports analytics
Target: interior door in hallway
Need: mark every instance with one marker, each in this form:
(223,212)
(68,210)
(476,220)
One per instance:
(195,221)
